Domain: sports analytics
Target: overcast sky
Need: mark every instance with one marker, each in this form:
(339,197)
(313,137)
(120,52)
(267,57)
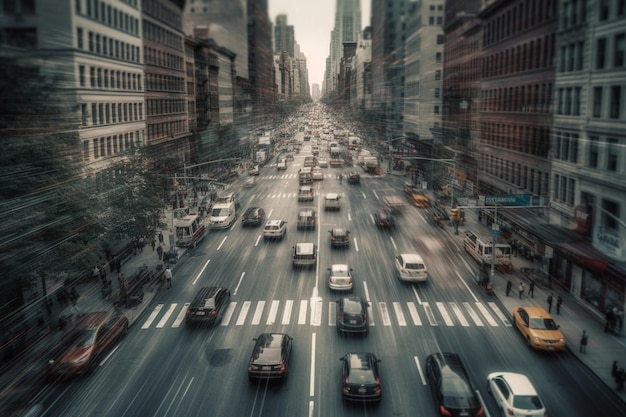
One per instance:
(312,21)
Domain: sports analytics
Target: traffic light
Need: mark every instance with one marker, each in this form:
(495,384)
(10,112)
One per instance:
(455,214)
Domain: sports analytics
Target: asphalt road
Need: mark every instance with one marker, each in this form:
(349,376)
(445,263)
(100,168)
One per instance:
(164,369)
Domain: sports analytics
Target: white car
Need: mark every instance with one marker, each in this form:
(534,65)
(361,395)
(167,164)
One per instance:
(318,175)
(411,267)
(322,163)
(274,229)
(340,277)
(515,395)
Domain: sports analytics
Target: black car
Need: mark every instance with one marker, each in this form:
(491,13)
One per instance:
(270,357)
(384,219)
(450,385)
(253,216)
(208,306)
(353,178)
(352,315)
(360,377)
(339,237)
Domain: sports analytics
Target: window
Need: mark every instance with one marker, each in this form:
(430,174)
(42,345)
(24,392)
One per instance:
(616,101)
(84,114)
(601,53)
(431,20)
(438,75)
(79,38)
(610,214)
(437,92)
(438,57)
(91,42)
(597,102)
(604,9)
(436,110)
(81,75)
(618,53)
(439,39)
(592,161)
(611,157)
(439,20)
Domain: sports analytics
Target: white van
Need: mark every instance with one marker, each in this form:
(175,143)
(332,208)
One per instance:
(222,216)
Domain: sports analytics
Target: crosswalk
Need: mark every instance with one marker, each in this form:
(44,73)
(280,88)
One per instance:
(313,312)
(292,176)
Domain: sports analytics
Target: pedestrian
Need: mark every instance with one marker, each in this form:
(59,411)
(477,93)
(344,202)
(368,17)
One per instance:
(531,289)
(142,243)
(95,274)
(620,377)
(521,290)
(121,279)
(153,244)
(480,219)
(619,317)
(159,250)
(160,238)
(103,274)
(614,369)
(168,276)
(550,303)
(559,301)
(583,342)
(509,285)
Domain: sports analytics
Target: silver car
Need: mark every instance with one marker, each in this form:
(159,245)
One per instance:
(515,395)
(340,277)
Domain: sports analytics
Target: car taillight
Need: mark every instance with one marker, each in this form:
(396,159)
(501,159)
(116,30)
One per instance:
(510,412)
(364,318)
(480,412)
(332,238)
(283,368)
(350,280)
(214,313)
(444,411)
(340,317)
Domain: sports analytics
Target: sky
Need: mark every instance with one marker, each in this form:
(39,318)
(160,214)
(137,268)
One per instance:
(313,21)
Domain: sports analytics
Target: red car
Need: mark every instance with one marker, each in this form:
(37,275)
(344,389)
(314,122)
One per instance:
(86,341)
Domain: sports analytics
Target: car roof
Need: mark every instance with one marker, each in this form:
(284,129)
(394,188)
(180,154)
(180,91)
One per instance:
(411,257)
(538,312)
(273,223)
(92,319)
(206,292)
(519,383)
(307,212)
(332,196)
(360,360)
(339,231)
(305,247)
(339,267)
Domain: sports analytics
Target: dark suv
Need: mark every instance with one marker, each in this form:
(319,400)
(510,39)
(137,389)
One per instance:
(354,178)
(253,216)
(270,357)
(208,306)
(352,315)
(339,237)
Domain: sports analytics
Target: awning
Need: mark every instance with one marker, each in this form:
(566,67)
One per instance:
(586,255)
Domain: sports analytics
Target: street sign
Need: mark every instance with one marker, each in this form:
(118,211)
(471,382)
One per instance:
(509,199)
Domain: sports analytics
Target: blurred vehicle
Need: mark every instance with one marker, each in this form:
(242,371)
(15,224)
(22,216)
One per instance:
(249,182)
(274,229)
(305,193)
(189,231)
(394,203)
(304,254)
(339,237)
(318,175)
(538,328)
(86,341)
(411,267)
(305,176)
(361,381)
(417,195)
(480,247)
(332,201)
(281,165)
(253,216)
(222,216)
(270,356)
(307,218)
(352,315)
(384,219)
(254,170)
(452,391)
(353,178)
(322,163)
(228,197)
(208,306)
(340,277)
(515,394)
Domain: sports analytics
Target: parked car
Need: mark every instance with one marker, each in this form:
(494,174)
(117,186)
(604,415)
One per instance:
(384,219)
(515,395)
(85,343)
(538,328)
(270,356)
(208,306)
(304,254)
(339,237)
(352,315)
(340,277)
(274,229)
(450,385)
(253,216)
(361,381)
(410,267)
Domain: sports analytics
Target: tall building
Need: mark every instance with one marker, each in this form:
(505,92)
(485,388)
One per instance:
(315,92)
(347,28)
(284,36)
(260,60)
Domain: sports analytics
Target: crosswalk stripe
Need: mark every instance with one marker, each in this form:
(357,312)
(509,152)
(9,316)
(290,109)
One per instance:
(332,314)
(243,313)
(444,313)
(486,314)
(287,312)
(181,315)
(302,312)
(414,315)
(499,313)
(152,316)
(370,314)
(271,318)
(229,313)
(459,314)
(399,315)
(384,313)
(258,312)
(430,315)
(316,312)
(472,314)
(166,317)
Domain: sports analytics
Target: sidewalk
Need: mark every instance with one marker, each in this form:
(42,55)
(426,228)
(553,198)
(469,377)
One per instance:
(602,349)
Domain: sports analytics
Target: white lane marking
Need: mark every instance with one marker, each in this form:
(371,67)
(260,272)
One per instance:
(499,313)
(239,283)
(302,312)
(430,315)
(393,243)
(349,217)
(287,312)
(384,313)
(375,195)
(166,317)
(468,288)
(356,246)
(243,313)
(459,314)
(229,313)
(311,408)
(419,300)
(414,315)
(444,313)
(367,292)
(486,314)
(258,312)
(201,271)
(399,314)
(473,315)
(419,369)
(312,378)
(271,318)
(152,316)
(181,315)
(332,314)
(223,240)
(316,312)
(258,239)
(364,196)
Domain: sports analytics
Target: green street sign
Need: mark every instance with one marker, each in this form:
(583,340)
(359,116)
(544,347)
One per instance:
(509,199)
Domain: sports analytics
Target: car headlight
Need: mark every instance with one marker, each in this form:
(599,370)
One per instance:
(80,360)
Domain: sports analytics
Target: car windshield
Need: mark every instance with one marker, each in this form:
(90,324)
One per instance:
(361,376)
(209,303)
(543,324)
(339,272)
(84,337)
(457,393)
(352,307)
(414,266)
(527,402)
(217,212)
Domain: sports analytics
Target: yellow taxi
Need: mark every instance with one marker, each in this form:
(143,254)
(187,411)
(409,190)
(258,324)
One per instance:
(538,328)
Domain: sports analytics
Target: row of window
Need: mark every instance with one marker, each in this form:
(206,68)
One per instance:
(107,146)
(611,51)
(167,129)
(565,147)
(607,101)
(573,12)
(568,101)
(531,55)
(155,56)
(571,57)
(534,181)
(162,36)
(160,82)
(105,78)
(109,15)
(520,17)
(604,153)
(527,139)
(109,113)
(563,189)
(157,107)
(532,98)
(611,8)
(107,46)
(165,12)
